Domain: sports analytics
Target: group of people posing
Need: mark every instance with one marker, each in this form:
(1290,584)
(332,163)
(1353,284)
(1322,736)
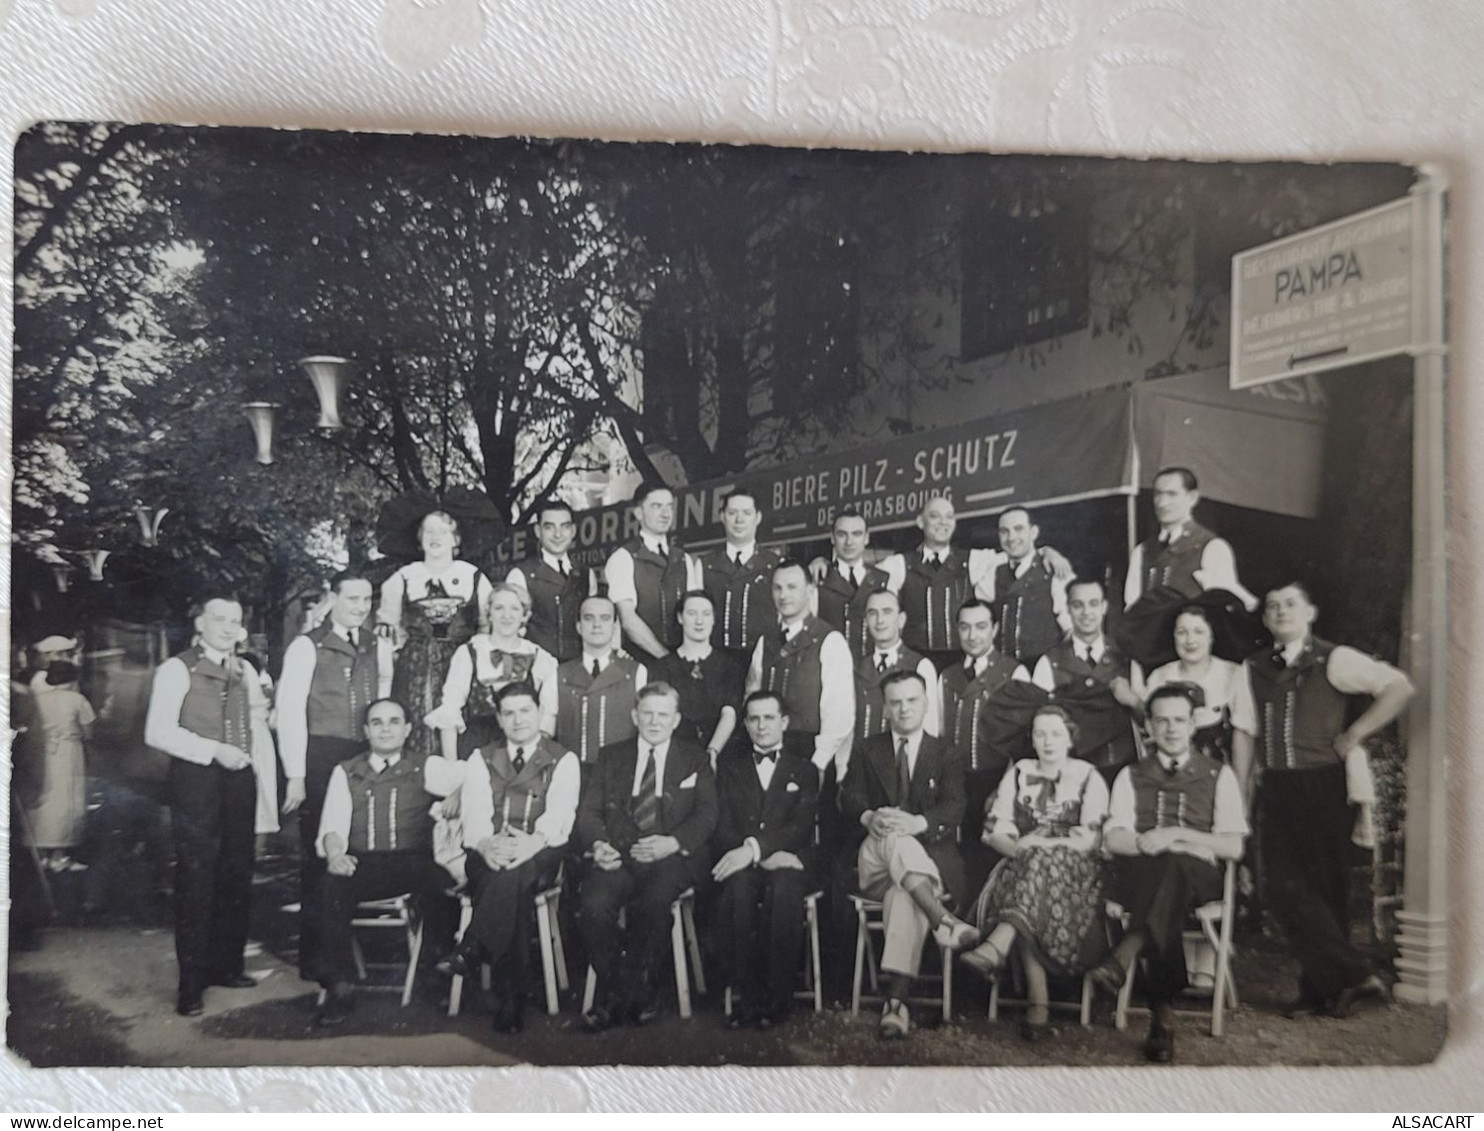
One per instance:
(949,732)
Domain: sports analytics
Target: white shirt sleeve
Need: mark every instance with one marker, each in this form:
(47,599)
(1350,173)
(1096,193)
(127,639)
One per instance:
(1059,603)
(544,671)
(560,814)
(162,729)
(896,571)
(1133,581)
(293,705)
(1239,699)
(1002,808)
(389,611)
(1094,802)
(754,670)
(1021,674)
(930,722)
(385,658)
(475,803)
(517,576)
(1352,672)
(335,816)
(836,704)
(1219,571)
(1121,811)
(982,564)
(693,571)
(1229,816)
(619,573)
(1044,678)
(443,776)
(449,714)
(641,678)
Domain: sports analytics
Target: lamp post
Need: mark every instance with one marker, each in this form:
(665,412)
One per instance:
(328,375)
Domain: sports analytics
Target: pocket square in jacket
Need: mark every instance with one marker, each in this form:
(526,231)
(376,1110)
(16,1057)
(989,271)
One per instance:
(791,787)
(688,783)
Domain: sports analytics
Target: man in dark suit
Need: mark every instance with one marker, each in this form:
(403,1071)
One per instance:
(646,815)
(765,799)
(905,793)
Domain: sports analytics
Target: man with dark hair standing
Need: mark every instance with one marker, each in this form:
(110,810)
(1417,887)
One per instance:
(596,692)
(646,816)
(1090,677)
(331,674)
(902,802)
(1184,555)
(1171,818)
(738,576)
(849,582)
(765,836)
(201,712)
(375,835)
(888,655)
(1314,775)
(649,573)
(556,587)
(1029,598)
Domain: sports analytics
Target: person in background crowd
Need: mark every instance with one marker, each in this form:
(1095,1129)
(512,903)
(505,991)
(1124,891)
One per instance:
(376,837)
(647,575)
(902,802)
(1171,819)
(1316,791)
(330,675)
(646,815)
(65,720)
(764,844)
(843,590)
(1184,555)
(597,692)
(556,587)
(1029,597)
(1226,724)
(707,679)
(884,620)
(738,575)
(430,608)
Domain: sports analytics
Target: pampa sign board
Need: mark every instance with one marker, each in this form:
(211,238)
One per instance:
(1335,295)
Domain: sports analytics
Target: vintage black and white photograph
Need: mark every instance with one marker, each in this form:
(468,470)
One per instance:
(521,601)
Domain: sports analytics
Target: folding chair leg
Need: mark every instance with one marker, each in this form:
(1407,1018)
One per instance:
(456,988)
(677,950)
(590,990)
(814,963)
(1086,1002)
(414,952)
(947,983)
(994,998)
(688,921)
(360,959)
(1125,995)
(871,967)
(860,962)
(558,950)
(548,959)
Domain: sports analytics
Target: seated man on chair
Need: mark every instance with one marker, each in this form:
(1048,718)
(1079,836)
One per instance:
(519,802)
(376,837)
(1171,819)
(905,792)
(765,799)
(646,815)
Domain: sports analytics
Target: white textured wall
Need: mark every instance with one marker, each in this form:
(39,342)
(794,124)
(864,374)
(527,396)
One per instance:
(1199,78)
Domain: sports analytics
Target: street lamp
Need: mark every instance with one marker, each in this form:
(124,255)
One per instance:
(260,416)
(328,375)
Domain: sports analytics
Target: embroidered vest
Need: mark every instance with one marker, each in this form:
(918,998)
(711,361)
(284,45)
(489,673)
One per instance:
(931,599)
(216,706)
(1299,712)
(1174,564)
(520,799)
(844,608)
(1186,799)
(344,681)
(659,583)
(965,719)
(743,596)
(1025,612)
(389,810)
(791,671)
(870,703)
(555,602)
(594,712)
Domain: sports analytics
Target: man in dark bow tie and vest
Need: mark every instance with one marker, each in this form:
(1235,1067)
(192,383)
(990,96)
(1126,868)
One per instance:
(1172,820)
(519,804)
(597,691)
(556,586)
(331,674)
(765,840)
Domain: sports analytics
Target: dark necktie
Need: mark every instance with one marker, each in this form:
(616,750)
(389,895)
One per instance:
(1171,770)
(855,581)
(971,666)
(904,773)
(354,637)
(1280,661)
(935,563)
(518,759)
(761,756)
(647,805)
(664,549)
(597,668)
(737,559)
(562,567)
(881,658)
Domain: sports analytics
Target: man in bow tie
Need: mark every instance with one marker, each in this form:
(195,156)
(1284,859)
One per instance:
(738,576)
(647,813)
(903,801)
(1172,819)
(331,674)
(375,837)
(1184,555)
(519,804)
(649,573)
(556,586)
(1089,676)
(765,837)
(208,712)
(1316,790)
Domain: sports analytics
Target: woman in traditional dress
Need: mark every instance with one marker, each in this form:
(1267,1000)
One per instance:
(708,680)
(1046,820)
(430,608)
(65,719)
(467,717)
(1227,724)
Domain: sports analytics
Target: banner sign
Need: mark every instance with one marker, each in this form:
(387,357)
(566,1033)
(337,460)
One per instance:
(1335,295)
(1072,449)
